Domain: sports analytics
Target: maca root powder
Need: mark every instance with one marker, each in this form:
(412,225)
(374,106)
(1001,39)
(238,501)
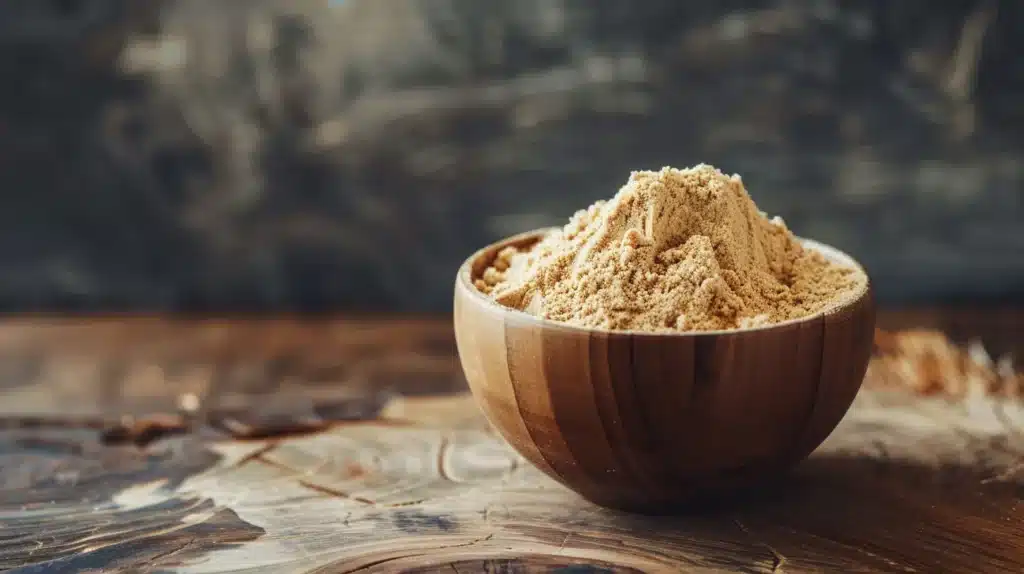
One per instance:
(674,250)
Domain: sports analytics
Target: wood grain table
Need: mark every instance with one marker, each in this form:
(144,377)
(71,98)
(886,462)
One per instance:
(150,444)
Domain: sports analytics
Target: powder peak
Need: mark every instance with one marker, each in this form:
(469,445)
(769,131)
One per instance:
(673,250)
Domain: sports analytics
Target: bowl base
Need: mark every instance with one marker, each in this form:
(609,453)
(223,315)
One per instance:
(699,500)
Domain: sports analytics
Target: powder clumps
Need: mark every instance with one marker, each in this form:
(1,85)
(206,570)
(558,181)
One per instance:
(673,250)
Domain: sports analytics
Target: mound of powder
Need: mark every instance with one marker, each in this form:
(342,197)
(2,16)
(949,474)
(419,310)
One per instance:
(674,250)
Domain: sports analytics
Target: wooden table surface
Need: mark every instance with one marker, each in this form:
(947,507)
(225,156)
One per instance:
(349,445)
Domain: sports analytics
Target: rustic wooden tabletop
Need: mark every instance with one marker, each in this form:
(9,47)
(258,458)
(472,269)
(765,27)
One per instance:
(349,445)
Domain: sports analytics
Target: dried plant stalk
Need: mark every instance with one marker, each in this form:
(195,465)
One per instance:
(929,363)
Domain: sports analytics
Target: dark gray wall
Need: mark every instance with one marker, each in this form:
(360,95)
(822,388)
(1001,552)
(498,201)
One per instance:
(291,154)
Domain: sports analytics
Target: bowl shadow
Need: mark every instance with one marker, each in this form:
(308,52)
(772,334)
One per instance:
(850,513)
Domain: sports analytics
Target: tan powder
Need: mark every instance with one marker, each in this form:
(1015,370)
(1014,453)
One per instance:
(674,250)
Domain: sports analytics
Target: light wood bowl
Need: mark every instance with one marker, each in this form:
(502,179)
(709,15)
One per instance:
(653,422)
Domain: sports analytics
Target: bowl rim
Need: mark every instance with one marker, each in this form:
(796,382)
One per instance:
(464,280)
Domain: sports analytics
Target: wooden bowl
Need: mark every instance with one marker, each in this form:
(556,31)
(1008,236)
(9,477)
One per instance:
(651,422)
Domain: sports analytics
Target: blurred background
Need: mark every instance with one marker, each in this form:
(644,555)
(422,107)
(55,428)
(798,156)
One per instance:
(286,155)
